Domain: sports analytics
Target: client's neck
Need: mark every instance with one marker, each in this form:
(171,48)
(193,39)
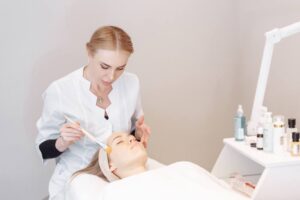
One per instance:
(131,171)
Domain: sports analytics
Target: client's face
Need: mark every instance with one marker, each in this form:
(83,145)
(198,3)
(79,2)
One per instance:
(126,151)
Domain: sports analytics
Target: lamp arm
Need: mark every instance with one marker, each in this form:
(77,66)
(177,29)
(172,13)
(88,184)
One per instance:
(272,37)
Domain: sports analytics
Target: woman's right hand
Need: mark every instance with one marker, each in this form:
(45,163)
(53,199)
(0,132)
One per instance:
(69,134)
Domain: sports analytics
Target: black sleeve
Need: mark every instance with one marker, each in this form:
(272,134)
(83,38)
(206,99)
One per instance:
(49,150)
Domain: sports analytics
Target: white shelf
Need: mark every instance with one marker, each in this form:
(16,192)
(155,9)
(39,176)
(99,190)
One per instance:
(263,158)
(276,177)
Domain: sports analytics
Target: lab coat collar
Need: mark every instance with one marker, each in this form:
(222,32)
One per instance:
(86,84)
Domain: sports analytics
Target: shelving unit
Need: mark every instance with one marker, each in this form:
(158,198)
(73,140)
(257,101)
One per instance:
(277,177)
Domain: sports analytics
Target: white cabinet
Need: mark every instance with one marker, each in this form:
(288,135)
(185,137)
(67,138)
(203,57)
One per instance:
(277,177)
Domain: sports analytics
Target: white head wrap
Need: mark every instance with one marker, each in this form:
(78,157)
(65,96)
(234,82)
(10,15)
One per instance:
(104,166)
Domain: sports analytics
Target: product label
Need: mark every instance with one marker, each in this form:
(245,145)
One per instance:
(296,149)
(239,133)
(268,138)
(259,143)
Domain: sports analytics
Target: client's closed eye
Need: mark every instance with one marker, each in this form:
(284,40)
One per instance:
(120,141)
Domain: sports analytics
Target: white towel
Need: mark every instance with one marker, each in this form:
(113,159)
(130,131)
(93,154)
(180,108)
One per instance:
(104,166)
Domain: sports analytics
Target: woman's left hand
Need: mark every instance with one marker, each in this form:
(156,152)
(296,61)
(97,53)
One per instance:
(142,131)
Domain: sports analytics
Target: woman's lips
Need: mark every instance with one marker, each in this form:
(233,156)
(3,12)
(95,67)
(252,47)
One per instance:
(106,83)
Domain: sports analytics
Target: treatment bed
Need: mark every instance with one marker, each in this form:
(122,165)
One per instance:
(192,182)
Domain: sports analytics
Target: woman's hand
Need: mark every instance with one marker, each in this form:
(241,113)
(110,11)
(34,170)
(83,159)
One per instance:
(142,131)
(69,134)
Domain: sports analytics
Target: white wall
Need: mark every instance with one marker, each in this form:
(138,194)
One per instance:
(197,59)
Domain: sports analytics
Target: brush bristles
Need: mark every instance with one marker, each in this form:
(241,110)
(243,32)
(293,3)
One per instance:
(108,150)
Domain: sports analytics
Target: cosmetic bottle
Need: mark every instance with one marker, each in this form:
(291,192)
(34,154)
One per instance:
(295,146)
(268,133)
(260,138)
(278,131)
(290,129)
(239,124)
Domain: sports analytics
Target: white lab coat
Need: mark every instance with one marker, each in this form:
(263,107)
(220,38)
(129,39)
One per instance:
(71,96)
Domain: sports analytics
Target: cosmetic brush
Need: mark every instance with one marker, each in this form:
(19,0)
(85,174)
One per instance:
(92,137)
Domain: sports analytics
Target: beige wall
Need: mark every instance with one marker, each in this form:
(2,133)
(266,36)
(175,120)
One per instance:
(187,67)
(196,61)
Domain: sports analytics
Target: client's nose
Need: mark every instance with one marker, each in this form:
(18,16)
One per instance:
(132,139)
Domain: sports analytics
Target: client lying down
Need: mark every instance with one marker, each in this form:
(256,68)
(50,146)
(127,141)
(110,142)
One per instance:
(126,170)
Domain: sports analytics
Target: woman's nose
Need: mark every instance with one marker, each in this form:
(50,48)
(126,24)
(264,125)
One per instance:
(111,75)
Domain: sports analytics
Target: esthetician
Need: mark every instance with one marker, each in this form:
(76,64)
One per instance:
(100,96)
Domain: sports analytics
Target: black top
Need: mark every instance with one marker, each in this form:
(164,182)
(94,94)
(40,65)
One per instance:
(49,150)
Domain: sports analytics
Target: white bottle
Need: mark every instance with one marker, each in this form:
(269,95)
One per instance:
(268,133)
(239,124)
(260,138)
(278,132)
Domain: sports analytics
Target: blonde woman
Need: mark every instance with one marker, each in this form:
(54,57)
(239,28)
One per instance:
(100,96)
(126,171)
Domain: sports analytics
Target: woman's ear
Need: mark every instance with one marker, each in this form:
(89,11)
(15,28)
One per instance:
(112,167)
(89,54)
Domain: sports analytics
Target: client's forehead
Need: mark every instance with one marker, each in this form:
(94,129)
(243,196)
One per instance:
(115,135)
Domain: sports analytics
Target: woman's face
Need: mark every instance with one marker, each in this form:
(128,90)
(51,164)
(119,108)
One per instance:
(126,151)
(106,66)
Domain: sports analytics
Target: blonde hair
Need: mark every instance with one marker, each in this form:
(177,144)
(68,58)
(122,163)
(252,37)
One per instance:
(92,168)
(109,38)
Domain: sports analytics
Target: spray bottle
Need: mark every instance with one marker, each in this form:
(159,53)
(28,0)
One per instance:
(239,124)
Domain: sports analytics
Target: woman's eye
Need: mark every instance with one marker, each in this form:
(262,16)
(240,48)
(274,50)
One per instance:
(120,69)
(103,66)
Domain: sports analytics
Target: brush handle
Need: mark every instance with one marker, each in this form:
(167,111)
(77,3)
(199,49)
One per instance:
(90,136)
(93,138)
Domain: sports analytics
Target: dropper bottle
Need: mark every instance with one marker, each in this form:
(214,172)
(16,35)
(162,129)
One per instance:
(295,145)
(289,131)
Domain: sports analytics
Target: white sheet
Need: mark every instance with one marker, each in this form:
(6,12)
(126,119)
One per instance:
(181,180)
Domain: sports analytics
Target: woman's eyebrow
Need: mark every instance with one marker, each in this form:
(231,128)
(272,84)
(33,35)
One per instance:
(107,65)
